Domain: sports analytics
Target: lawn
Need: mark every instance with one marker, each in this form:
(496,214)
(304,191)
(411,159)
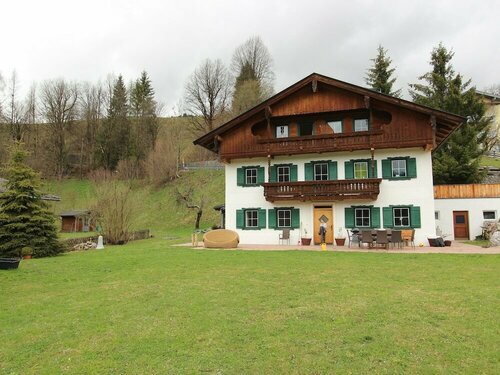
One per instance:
(151,308)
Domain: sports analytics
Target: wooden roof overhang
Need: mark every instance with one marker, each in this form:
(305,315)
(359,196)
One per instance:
(443,123)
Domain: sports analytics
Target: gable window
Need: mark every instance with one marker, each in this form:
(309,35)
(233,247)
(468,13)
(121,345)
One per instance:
(320,171)
(283,173)
(398,168)
(336,126)
(284,217)
(489,215)
(362,217)
(401,216)
(251,176)
(361,169)
(361,124)
(282,131)
(251,218)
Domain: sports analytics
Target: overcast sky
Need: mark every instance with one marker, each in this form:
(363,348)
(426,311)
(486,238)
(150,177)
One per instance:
(86,40)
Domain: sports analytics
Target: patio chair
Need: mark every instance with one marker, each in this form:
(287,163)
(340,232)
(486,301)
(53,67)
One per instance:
(396,238)
(382,238)
(409,236)
(366,237)
(353,237)
(285,236)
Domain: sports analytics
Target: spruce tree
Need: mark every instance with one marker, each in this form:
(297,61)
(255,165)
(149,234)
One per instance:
(457,160)
(25,220)
(379,76)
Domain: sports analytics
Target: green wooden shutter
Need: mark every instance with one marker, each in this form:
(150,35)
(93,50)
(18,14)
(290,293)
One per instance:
(387,213)
(293,173)
(375,217)
(332,170)
(260,175)
(411,164)
(349,169)
(415,216)
(240,219)
(386,168)
(349,217)
(374,173)
(240,177)
(274,174)
(295,218)
(271,215)
(308,171)
(262,218)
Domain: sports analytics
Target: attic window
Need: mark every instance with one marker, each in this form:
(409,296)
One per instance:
(361,125)
(282,131)
(306,128)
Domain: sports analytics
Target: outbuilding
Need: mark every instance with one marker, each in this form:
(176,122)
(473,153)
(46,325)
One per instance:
(76,221)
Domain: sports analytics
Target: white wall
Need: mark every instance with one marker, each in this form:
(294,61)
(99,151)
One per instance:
(418,191)
(475,207)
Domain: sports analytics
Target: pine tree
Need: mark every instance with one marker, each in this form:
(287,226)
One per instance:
(457,160)
(379,76)
(25,220)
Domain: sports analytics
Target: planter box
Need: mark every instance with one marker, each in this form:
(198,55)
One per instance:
(340,241)
(9,263)
(305,241)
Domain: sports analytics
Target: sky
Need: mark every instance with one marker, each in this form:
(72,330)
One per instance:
(87,40)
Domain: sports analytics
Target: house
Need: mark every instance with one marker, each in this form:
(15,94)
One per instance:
(76,221)
(45,197)
(327,150)
(492,104)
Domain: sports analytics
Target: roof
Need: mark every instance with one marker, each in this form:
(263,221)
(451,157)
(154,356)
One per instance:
(442,116)
(75,213)
(45,197)
(488,95)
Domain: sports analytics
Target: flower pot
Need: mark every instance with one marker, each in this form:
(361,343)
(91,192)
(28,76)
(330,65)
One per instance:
(447,243)
(305,241)
(26,256)
(340,241)
(9,263)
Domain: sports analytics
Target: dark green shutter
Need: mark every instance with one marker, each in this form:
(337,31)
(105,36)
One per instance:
(293,173)
(262,218)
(415,216)
(386,168)
(308,172)
(260,175)
(372,174)
(412,167)
(295,218)
(349,169)
(387,212)
(240,177)
(349,217)
(274,174)
(332,170)
(240,219)
(272,218)
(375,217)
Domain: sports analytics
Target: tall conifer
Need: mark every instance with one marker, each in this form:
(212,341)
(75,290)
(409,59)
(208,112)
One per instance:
(380,75)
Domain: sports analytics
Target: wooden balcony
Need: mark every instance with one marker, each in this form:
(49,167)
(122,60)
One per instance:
(337,190)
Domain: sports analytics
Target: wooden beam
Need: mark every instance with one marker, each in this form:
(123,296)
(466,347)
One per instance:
(268,113)
(314,85)
(367,101)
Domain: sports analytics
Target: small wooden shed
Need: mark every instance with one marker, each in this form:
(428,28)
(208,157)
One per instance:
(76,221)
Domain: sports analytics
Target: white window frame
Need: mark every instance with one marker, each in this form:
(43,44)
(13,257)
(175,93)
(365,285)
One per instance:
(362,217)
(283,173)
(494,214)
(401,217)
(248,177)
(283,216)
(320,176)
(396,169)
(361,128)
(336,126)
(251,217)
(360,163)
(282,131)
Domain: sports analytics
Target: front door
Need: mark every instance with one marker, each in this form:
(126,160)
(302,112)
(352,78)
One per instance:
(323,214)
(461,225)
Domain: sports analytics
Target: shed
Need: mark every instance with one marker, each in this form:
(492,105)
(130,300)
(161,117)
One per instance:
(76,221)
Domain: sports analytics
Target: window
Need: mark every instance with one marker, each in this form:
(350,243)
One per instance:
(436,215)
(360,125)
(251,176)
(320,171)
(282,131)
(306,128)
(336,126)
(401,217)
(284,218)
(283,173)
(251,219)
(362,217)
(398,167)
(360,169)
(489,215)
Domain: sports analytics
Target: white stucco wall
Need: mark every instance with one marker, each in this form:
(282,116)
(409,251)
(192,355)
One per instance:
(417,192)
(475,207)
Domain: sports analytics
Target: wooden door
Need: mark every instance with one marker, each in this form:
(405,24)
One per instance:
(326,214)
(461,225)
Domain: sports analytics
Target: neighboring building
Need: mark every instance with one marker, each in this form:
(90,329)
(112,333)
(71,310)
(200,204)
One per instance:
(45,197)
(76,221)
(324,149)
(461,210)
(492,103)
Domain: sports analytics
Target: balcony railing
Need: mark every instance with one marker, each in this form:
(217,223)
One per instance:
(322,190)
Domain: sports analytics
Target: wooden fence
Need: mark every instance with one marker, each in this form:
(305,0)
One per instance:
(467,191)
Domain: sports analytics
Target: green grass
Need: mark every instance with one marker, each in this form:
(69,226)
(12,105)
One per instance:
(150,308)
(490,162)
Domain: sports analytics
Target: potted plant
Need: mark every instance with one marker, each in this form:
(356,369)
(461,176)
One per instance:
(26,252)
(340,239)
(305,241)
(9,263)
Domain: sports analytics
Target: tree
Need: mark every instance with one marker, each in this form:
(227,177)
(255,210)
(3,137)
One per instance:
(114,135)
(207,96)
(457,160)
(379,76)
(91,109)
(14,113)
(25,220)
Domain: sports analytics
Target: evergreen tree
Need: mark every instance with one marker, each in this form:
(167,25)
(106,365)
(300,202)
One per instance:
(113,139)
(25,220)
(457,160)
(379,76)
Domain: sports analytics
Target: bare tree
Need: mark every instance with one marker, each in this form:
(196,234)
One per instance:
(58,104)
(14,113)
(255,54)
(91,105)
(207,95)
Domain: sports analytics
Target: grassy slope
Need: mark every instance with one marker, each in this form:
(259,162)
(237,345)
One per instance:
(490,162)
(147,307)
(157,207)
